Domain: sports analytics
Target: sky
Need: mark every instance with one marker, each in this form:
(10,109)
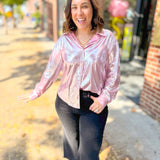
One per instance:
(23,7)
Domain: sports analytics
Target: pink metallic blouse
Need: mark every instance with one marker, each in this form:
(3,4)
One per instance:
(95,68)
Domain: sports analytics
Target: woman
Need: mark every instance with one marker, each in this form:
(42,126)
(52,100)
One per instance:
(88,55)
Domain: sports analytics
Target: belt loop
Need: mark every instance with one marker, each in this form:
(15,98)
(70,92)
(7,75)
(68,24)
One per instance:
(88,94)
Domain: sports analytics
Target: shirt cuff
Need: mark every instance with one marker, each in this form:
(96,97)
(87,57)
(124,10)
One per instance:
(33,95)
(103,100)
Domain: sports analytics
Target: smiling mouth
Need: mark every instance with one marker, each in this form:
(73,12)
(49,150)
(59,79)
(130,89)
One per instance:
(81,21)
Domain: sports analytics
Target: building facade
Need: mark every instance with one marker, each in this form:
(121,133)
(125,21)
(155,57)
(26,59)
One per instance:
(49,15)
(143,22)
(150,96)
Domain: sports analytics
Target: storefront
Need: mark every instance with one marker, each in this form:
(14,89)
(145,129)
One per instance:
(150,96)
(61,5)
(53,17)
(145,45)
(143,23)
(133,31)
(44,24)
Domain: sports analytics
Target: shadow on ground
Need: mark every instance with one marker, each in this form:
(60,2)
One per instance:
(17,152)
(132,78)
(53,137)
(32,71)
(31,39)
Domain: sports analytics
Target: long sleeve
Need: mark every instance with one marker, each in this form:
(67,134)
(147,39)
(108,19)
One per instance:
(113,77)
(51,72)
(94,68)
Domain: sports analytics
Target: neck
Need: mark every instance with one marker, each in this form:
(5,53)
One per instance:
(84,36)
(84,33)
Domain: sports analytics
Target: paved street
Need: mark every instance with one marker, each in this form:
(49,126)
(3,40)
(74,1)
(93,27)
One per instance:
(29,131)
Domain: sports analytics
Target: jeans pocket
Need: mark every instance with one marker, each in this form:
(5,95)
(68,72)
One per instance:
(85,103)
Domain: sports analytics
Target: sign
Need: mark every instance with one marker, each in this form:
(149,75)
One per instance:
(127,40)
(9,14)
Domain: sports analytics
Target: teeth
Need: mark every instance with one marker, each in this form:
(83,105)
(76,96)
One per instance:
(80,20)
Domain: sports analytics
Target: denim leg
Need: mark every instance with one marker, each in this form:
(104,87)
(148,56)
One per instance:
(83,132)
(70,123)
(91,134)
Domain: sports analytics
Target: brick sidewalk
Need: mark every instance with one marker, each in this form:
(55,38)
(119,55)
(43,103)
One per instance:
(29,131)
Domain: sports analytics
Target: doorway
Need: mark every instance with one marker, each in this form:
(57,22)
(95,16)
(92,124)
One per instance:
(143,22)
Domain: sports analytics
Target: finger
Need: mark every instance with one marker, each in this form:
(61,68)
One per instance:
(93,107)
(96,108)
(93,98)
(27,101)
(22,97)
(96,111)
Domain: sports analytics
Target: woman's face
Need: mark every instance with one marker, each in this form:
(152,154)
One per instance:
(82,12)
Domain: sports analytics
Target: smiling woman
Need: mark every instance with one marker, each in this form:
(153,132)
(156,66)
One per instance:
(96,21)
(88,56)
(85,16)
(82,14)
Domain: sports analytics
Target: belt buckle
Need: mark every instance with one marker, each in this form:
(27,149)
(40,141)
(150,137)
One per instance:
(86,94)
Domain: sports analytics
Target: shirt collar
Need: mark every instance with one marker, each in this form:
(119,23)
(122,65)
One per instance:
(102,33)
(94,39)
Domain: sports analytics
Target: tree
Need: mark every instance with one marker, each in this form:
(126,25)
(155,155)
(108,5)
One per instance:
(11,3)
(4,17)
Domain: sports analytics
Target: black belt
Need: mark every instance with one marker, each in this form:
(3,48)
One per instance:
(86,94)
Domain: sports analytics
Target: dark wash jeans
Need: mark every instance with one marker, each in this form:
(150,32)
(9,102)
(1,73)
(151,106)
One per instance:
(82,131)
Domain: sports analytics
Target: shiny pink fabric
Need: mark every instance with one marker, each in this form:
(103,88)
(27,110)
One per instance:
(95,68)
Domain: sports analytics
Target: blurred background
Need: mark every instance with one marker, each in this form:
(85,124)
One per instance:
(131,21)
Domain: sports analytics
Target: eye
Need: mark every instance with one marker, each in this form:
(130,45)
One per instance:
(73,8)
(85,6)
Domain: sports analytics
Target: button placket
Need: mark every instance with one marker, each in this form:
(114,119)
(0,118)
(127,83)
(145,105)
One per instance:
(82,65)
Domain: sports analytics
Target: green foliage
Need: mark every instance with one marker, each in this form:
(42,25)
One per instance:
(18,10)
(12,2)
(36,15)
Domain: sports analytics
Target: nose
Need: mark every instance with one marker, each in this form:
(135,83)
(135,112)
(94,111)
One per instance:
(79,11)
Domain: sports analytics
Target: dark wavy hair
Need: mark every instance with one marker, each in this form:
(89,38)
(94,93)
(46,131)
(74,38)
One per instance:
(97,20)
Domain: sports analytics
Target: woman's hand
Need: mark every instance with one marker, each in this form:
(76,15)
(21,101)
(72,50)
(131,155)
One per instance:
(24,98)
(96,106)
